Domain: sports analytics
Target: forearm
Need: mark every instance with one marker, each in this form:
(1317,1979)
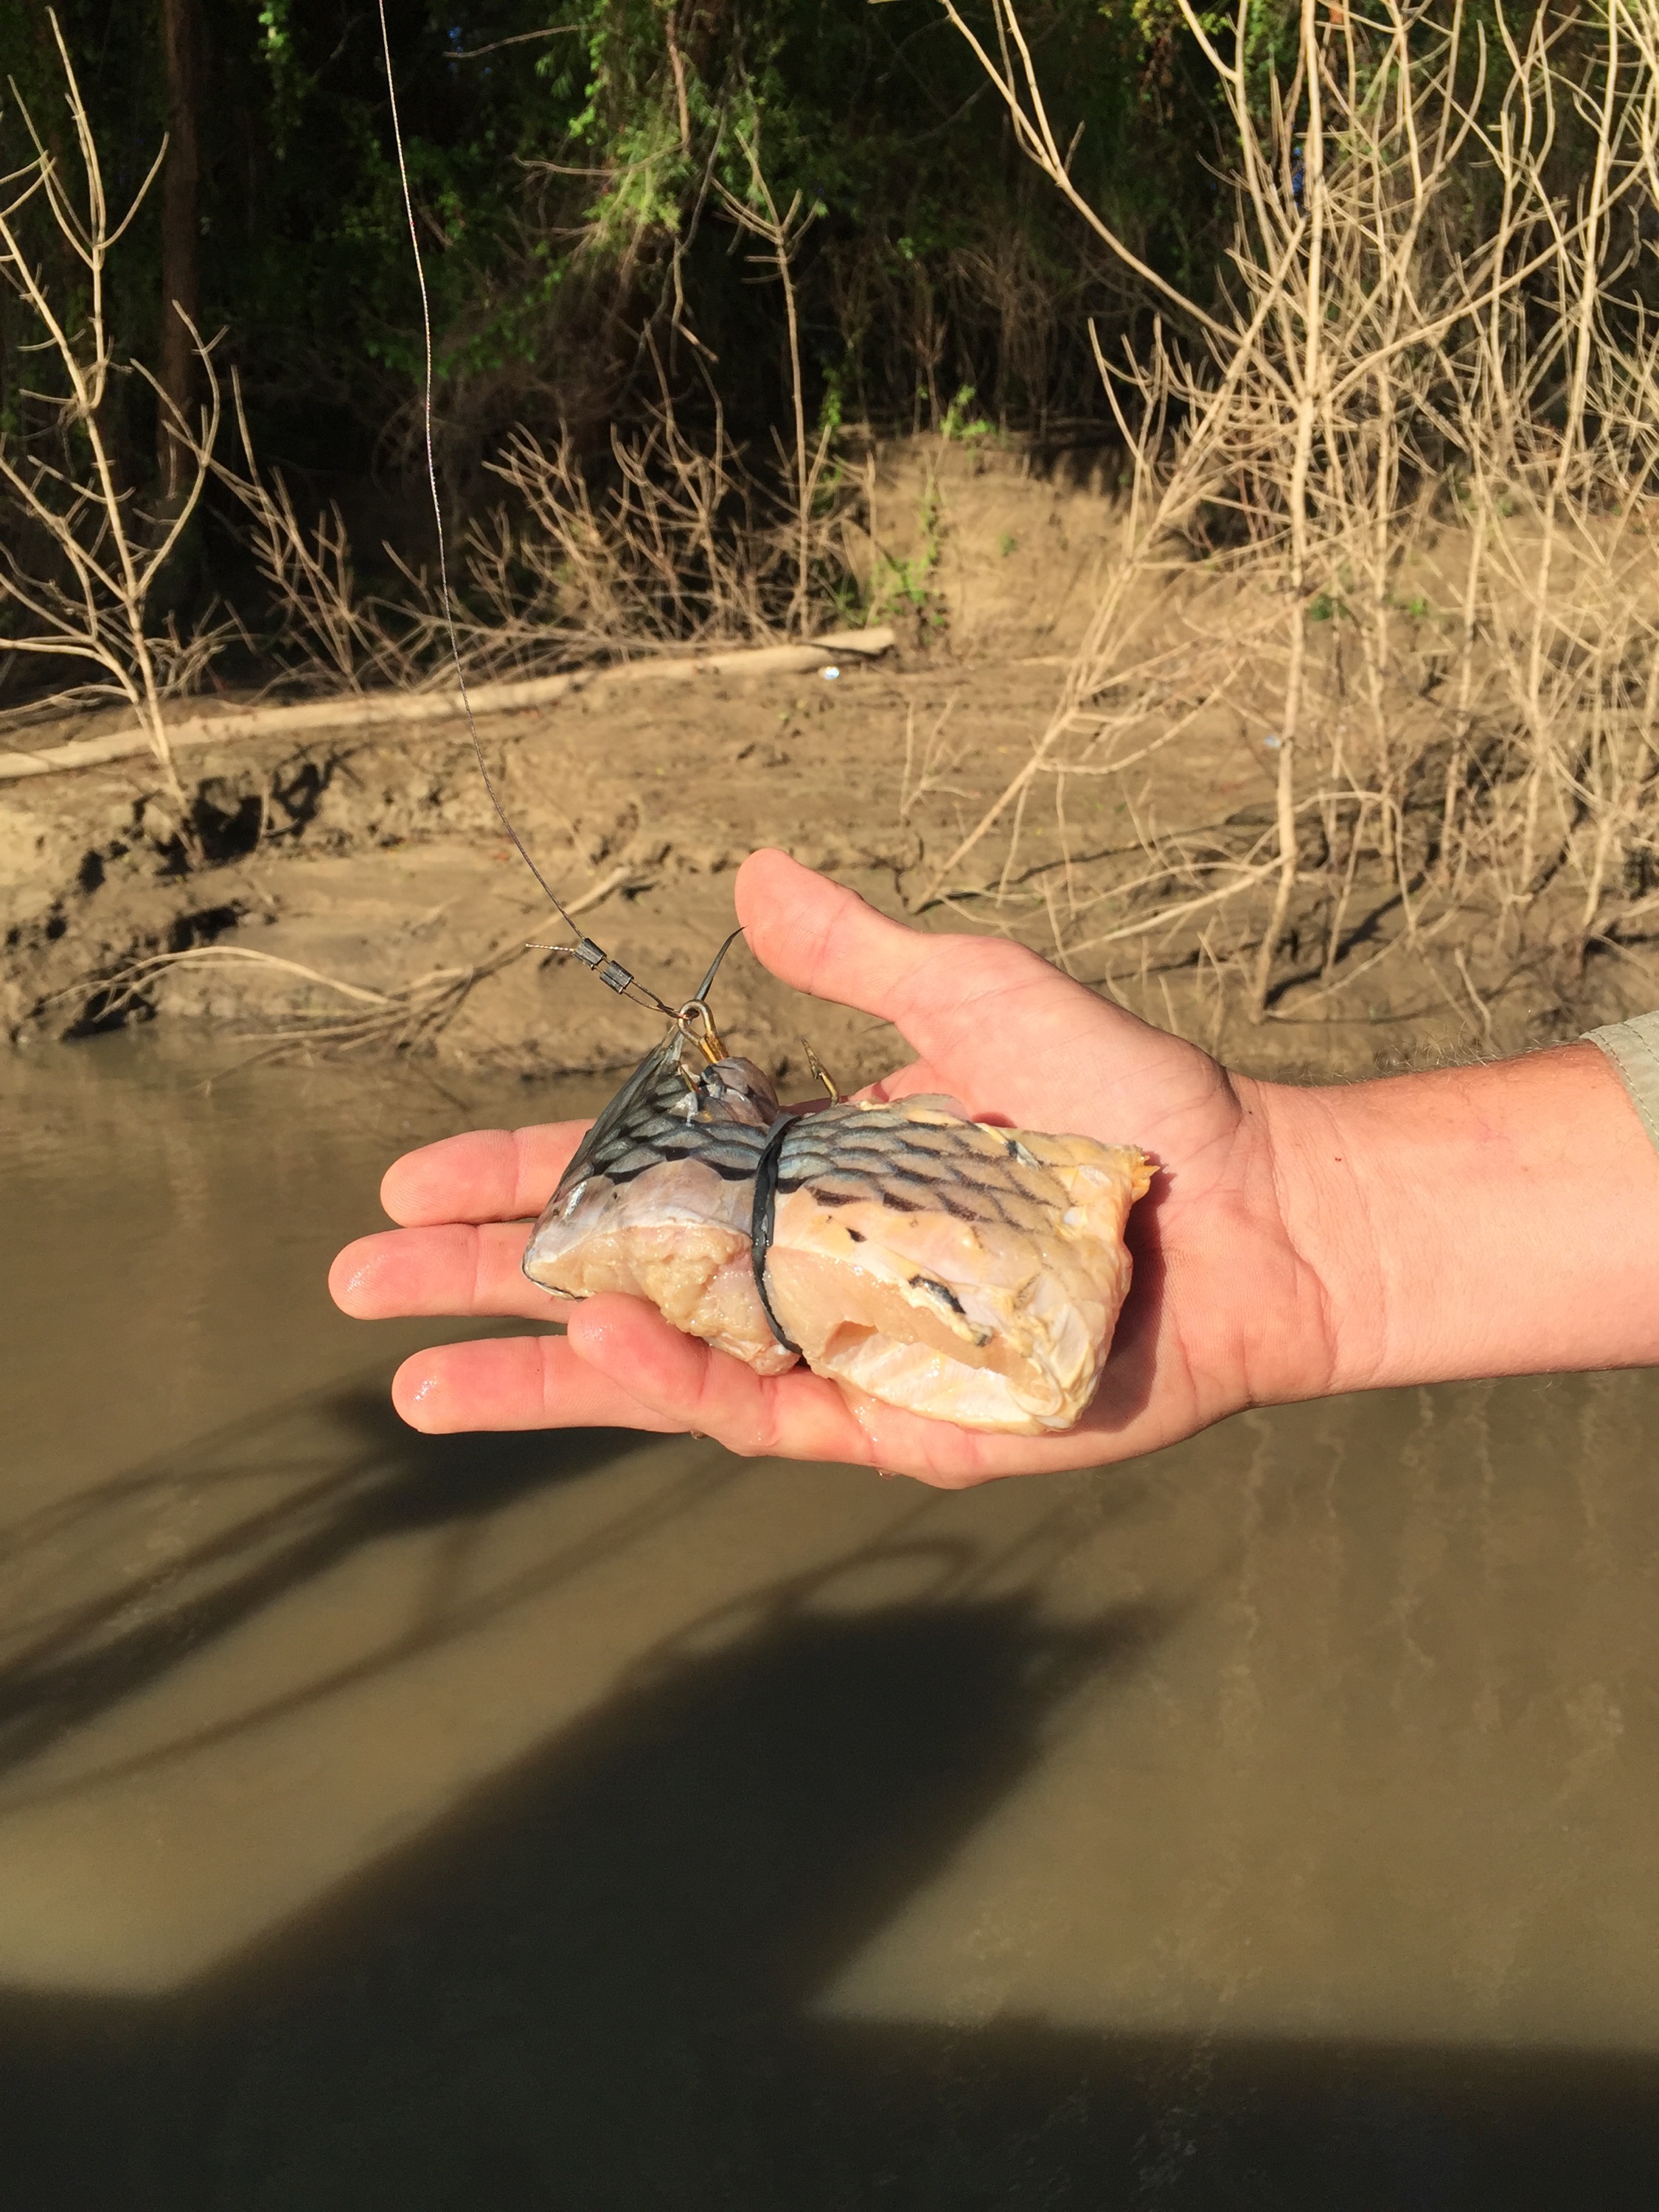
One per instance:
(1498,1220)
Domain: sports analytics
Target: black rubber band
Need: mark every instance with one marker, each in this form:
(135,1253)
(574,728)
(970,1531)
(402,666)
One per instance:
(761,1222)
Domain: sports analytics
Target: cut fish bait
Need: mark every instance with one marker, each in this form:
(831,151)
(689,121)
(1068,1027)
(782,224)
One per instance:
(969,1273)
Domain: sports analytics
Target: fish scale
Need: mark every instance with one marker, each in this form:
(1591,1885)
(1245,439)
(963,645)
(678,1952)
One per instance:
(866,1151)
(647,1123)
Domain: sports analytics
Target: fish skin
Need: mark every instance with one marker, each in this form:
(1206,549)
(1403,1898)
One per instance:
(966,1273)
(658,1114)
(658,1202)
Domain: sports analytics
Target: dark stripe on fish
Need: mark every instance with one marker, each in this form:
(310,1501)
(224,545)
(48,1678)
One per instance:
(762,1222)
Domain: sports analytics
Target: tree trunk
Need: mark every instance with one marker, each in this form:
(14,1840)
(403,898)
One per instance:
(180,228)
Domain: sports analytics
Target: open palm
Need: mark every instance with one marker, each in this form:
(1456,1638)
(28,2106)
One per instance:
(1223,1313)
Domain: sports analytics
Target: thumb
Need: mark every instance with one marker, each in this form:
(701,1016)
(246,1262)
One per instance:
(992,1020)
(938,992)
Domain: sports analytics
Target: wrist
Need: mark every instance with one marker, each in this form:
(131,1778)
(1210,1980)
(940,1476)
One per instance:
(1322,1189)
(1475,1221)
(1341,1192)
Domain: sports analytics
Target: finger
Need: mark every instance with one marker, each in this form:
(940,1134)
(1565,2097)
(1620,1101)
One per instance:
(512,1383)
(489,1174)
(824,939)
(686,1382)
(455,1269)
(794,1416)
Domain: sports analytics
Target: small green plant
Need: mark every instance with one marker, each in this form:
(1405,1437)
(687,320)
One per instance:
(960,425)
(906,584)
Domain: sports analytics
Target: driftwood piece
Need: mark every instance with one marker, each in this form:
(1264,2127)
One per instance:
(373,708)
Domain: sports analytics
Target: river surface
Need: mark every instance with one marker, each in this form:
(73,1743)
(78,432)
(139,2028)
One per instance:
(596,1821)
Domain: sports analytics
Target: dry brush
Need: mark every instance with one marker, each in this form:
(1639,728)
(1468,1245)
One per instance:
(1400,468)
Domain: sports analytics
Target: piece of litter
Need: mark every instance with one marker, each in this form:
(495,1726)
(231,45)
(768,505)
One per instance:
(1272,744)
(829,674)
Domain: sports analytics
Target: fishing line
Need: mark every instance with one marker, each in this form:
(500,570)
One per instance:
(610,972)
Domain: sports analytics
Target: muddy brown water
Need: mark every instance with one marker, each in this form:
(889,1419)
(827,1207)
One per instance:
(602,1822)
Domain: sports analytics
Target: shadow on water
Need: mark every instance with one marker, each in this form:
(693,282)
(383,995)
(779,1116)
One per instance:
(67,1659)
(594,1987)
(402,1825)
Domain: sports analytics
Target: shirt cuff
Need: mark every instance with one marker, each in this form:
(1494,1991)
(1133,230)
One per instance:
(1633,1048)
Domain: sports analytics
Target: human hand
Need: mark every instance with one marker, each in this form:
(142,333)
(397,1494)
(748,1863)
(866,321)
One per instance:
(1223,1312)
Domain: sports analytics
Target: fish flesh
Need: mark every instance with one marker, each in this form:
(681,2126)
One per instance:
(963,1271)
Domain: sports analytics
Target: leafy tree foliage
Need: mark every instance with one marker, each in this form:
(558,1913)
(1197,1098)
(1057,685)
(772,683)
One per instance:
(564,156)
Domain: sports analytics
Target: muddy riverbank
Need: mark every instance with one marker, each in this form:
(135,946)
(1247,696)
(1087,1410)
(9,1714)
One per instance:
(354,887)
